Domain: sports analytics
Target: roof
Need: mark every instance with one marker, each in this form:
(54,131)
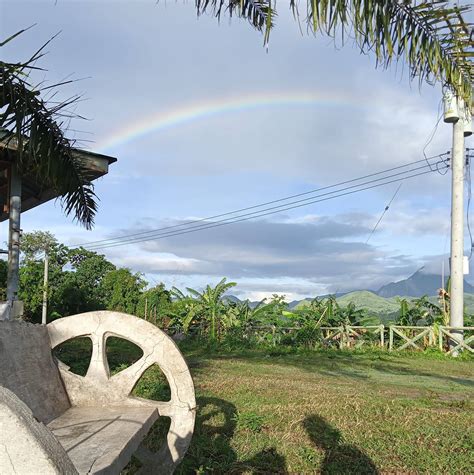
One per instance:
(34,193)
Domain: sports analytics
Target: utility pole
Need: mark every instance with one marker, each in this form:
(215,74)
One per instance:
(45,288)
(14,239)
(460,117)
(457,230)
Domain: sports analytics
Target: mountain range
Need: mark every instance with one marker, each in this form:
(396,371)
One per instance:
(383,300)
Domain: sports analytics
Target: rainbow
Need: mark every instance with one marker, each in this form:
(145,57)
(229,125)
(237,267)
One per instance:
(187,113)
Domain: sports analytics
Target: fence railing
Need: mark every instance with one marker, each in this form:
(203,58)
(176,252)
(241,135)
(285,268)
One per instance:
(400,337)
(392,337)
(449,339)
(412,337)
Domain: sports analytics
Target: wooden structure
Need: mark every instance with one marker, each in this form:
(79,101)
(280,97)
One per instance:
(449,340)
(23,191)
(412,337)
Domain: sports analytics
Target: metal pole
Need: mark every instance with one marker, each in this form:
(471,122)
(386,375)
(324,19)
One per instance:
(45,288)
(14,238)
(457,230)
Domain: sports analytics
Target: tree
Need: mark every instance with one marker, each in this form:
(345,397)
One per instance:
(155,301)
(81,288)
(432,36)
(121,289)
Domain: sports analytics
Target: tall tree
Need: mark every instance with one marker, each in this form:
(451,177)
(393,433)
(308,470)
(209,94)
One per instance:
(122,290)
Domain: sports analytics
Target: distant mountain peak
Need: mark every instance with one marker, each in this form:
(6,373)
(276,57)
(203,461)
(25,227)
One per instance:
(418,284)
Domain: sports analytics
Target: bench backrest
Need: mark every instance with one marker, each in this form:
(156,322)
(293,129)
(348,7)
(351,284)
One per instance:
(27,369)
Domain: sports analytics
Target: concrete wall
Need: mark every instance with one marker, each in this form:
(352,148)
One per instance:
(28,370)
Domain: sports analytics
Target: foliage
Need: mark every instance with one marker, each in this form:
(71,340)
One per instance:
(122,290)
(155,305)
(207,307)
(36,141)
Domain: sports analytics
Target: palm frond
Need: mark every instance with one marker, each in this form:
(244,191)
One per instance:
(42,148)
(432,36)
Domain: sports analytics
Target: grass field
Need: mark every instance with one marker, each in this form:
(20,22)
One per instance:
(331,413)
(328,412)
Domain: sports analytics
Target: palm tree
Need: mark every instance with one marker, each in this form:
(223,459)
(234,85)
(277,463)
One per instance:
(33,131)
(432,36)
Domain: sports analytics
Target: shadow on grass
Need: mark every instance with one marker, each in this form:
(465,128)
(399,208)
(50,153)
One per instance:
(211,450)
(339,457)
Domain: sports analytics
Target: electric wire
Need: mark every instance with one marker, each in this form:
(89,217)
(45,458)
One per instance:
(195,221)
(242,218)
(131,239)
(383,213)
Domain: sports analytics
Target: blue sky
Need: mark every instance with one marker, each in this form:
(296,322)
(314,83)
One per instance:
(142,59)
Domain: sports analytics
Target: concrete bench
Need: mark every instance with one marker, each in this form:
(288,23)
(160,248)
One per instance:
(53,421)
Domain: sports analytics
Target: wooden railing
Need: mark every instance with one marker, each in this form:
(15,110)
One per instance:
(412,337)
(400,337)
(449,339)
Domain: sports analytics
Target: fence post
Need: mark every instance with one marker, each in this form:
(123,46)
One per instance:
(390,335)
(273,335)
(440,338)
(341,338)
(382,336)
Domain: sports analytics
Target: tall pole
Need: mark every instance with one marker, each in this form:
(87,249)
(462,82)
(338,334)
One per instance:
(457,230)
(13,278)
(45,288)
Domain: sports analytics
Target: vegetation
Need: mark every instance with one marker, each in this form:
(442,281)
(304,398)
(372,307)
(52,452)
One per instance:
(82,280)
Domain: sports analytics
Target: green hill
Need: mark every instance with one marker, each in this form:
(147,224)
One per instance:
(370,301)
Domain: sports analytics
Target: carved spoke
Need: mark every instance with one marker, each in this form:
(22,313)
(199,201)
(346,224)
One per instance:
(128,378)
(99,367)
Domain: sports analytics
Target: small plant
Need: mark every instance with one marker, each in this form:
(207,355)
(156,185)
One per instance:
(249,421)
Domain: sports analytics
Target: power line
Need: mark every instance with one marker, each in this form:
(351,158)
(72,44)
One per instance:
(187,223)
(384,211)
(254,215)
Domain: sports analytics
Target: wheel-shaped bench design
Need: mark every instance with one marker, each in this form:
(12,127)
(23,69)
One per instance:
(99,388)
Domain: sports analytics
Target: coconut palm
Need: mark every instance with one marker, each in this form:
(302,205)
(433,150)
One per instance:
(34,129)
(432,36)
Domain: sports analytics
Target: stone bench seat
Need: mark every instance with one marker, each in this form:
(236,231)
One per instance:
(53,421)
(102,439)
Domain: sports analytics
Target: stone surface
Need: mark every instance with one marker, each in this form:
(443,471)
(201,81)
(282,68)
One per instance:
(105,423)
(98,387)
(102,439)
(27,368)
(27,447)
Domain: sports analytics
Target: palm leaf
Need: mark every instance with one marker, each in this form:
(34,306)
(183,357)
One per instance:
(432,36)
(42,150)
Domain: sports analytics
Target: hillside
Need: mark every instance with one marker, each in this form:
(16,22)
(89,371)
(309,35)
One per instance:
(370,301)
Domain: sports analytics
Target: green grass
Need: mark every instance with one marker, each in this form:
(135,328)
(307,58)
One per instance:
(331,413)
(323,412)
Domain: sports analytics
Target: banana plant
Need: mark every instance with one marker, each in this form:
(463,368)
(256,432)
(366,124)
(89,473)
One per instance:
(211,306)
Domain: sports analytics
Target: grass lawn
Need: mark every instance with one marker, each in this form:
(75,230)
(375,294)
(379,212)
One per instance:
(330,412)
